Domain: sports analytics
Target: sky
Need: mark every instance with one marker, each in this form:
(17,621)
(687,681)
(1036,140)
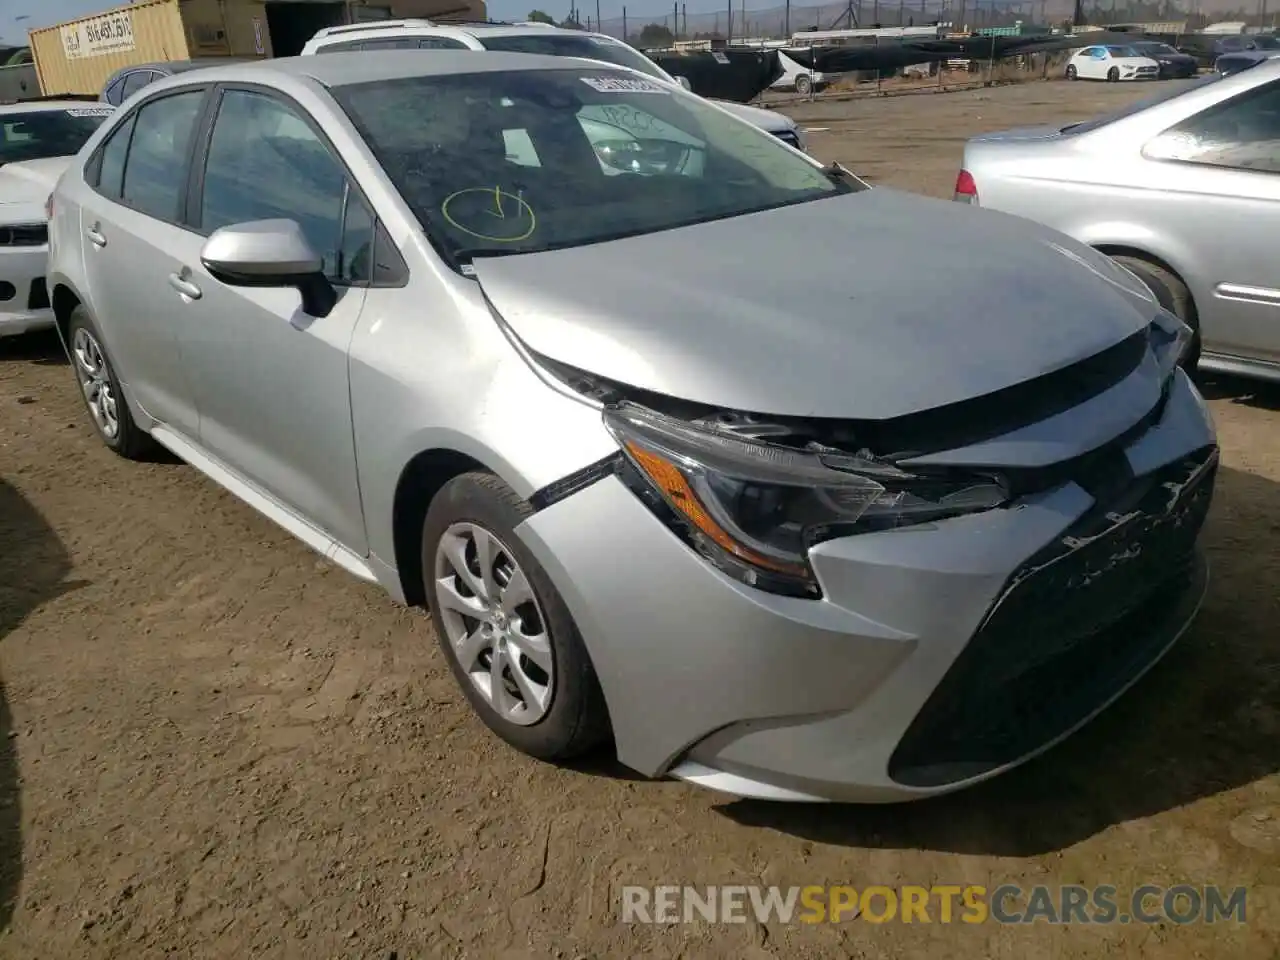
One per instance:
(19,16)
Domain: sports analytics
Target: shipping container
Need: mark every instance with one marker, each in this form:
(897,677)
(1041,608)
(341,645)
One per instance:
(78,56)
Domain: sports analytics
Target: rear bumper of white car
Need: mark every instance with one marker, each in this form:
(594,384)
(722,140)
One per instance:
(24,296)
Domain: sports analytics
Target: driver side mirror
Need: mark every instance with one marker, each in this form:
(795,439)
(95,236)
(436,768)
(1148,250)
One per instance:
(684,82)
(269,253)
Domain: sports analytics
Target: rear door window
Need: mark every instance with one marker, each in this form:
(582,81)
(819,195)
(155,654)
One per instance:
(155,172)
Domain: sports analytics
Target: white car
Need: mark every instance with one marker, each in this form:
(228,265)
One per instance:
(539,38)
(1111,62)
(37,141)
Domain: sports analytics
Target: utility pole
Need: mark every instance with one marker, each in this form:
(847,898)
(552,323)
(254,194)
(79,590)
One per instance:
(599,22)
(728,34)
(786,20)
(625,35)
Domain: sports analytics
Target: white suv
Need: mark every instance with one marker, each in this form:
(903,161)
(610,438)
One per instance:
(539,38)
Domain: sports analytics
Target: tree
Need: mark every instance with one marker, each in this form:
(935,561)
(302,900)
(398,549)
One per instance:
(568,23)
(656,35)
(538,16)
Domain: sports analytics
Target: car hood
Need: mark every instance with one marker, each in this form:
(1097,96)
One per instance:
(869,306)
(25,186)
(767,120)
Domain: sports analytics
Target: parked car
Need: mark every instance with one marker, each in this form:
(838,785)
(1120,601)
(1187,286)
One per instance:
(800,78)
(1111,63)
(834,529)
(129,80)
(37,139)
(1208,47)
(1174,65)
(1182,189)
(539,38)
(1230,63)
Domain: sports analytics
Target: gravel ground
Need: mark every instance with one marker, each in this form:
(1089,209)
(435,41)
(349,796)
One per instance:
(212,744)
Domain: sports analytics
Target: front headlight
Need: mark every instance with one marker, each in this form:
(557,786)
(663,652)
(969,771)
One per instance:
(754,509)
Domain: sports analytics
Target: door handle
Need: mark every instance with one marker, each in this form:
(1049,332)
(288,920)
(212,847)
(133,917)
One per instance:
(184,286)
(95,236)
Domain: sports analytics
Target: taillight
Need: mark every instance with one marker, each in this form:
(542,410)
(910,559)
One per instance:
(966,189)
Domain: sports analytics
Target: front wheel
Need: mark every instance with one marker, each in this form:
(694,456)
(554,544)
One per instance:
(804,85)
(1072,74)
(1113,74)
(508,636)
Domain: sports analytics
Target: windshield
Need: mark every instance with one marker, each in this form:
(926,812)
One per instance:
(520,161)
(568,45)
(1175,89)
(1122,51)
(37,134)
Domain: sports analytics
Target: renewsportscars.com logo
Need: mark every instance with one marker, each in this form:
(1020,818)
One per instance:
(1006,904)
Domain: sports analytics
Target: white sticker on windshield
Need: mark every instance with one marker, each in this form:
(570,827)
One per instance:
(90,111)
(624,85)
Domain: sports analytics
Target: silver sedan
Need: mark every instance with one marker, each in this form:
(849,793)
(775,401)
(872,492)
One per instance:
(1182,189)
(803,525)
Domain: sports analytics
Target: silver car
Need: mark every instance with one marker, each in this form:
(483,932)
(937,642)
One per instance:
(810,526)
(1182,189)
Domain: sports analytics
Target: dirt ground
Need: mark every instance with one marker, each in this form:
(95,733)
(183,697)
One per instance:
(213,744)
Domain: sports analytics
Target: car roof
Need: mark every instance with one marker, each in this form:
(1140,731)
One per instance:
(51,106)
(372,30)
(346,68)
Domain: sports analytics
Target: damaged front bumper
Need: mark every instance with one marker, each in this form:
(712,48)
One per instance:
(938,656)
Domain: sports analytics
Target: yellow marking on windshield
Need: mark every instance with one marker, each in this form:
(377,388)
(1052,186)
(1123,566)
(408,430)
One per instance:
(516,223)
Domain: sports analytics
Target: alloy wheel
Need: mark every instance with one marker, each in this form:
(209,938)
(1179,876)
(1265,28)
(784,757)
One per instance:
(494,623)
(94,375)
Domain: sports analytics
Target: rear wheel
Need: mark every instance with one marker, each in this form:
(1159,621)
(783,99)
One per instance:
(1173,296)
(1071,72)
(1113,74)
(508,636)
(101,390)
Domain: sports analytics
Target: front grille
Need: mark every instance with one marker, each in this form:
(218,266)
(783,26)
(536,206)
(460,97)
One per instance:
(24,235)
(1074,626)
(38,298)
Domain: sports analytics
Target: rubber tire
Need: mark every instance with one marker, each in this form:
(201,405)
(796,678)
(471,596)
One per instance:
(578,719)
(131,442)
(1113,75)
(1173,296)
(803,85)
(1072,73)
